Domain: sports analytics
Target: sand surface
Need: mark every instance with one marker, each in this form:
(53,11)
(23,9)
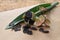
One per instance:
(7,16)
(14,4)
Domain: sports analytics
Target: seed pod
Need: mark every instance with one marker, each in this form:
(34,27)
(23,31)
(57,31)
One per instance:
(20,18)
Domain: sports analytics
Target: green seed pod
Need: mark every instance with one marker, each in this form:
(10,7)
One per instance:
(36,10)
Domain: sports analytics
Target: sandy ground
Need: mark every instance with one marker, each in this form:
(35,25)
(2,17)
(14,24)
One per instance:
(14,4)
(8,16)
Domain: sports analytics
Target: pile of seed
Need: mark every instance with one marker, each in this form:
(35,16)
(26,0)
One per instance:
(40,23)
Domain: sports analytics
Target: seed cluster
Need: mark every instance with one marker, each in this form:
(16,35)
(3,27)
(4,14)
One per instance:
(29,24)
(33,19)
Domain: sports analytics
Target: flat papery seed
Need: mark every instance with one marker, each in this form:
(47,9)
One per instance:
(45,15)
(40,20)
(47,22)
(45,26)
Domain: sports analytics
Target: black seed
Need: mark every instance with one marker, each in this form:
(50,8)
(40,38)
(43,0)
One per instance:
(28,16)
(26,19)
(46,32)
(41,29)
(29,33)
(17,27)
(25,30)
(31,21)
(26,26)
(33,28)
